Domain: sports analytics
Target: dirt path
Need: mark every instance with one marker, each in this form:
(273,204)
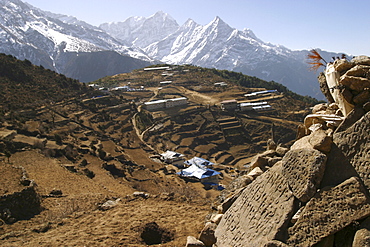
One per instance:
(198,97)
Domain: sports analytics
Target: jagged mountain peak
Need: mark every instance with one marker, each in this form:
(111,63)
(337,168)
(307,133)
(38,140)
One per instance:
(163,16)
(189,23)
(141,31)
(217,21)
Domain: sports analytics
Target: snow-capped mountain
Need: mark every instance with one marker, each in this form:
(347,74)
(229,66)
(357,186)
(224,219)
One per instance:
(82,51)
(141,31)
(52,40)
(217,45)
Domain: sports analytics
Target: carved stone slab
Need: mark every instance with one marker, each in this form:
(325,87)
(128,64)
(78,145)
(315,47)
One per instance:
(330,211)
(350,154)
(260,214)
(355,146)
(304,169)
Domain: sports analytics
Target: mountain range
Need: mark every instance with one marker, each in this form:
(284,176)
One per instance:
(81,51)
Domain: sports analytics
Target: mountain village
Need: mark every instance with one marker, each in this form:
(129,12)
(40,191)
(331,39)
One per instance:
(113,138)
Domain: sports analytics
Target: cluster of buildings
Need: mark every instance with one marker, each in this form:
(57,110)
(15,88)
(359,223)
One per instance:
(126,88)
(234,105)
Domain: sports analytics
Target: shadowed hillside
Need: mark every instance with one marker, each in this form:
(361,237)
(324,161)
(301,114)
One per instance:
(24,85)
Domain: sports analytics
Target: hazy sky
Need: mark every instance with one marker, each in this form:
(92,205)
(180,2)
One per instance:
(332,25)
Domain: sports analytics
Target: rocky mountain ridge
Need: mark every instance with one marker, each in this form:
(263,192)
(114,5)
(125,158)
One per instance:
(56,42)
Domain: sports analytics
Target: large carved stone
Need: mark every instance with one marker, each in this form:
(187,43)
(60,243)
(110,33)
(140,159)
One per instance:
(350,154)
(330,211)
(304,169)
(260,214)
(352,148)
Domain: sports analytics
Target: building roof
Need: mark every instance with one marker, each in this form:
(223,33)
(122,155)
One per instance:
(261,92)
(261,107)
(164,101)
(155,102)
(253,104)
(177,99)
(234,101)
(156,68)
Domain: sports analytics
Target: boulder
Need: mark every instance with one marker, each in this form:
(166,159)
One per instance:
(258,161)
(281,151)
(317,140)
(362,238)
(261,160)
(358,70)
(362,60)
(271,145)
(255,172)
(330,211)
(319,108)
(362,235)
(55,193)
(354,83)
(342,65)
(216,218)
(303,169)
(207,235)
(109,204)
(321,141)
(260,214)
(141,194)
(193,242)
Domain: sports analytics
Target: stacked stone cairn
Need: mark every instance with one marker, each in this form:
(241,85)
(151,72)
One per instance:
(317,193)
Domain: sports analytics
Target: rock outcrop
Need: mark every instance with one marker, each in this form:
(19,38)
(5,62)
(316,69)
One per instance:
(319,190)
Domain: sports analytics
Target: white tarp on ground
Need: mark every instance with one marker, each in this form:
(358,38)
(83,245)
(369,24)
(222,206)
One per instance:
(198,171)
(198,161)
(171,155)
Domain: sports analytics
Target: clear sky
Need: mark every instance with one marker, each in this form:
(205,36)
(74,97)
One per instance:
(332,25)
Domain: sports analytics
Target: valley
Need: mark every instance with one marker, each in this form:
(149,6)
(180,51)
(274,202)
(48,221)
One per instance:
(85,150)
